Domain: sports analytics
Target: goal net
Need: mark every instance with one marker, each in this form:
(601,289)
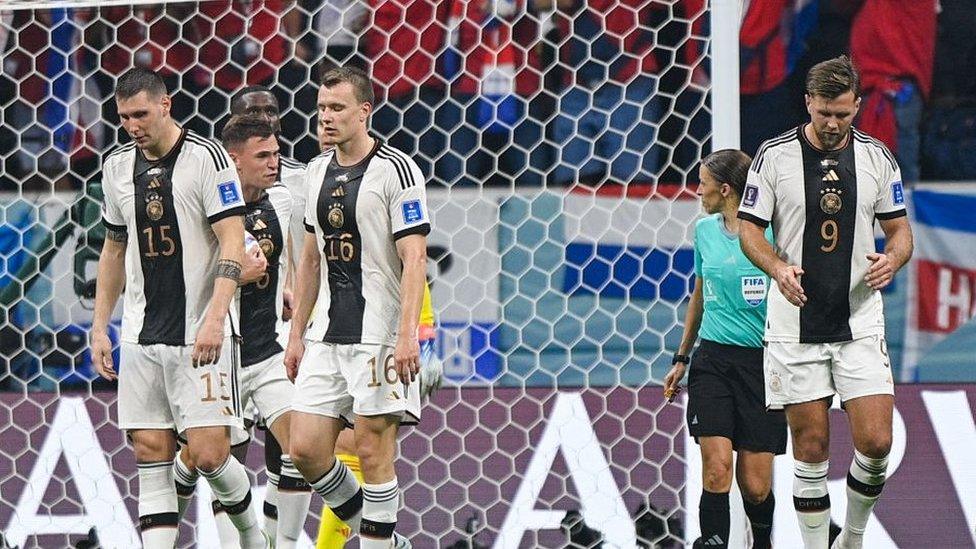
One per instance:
(559,139)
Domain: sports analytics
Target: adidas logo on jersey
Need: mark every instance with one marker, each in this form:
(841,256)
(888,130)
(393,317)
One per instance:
(260,225)
(155,184)
(339,191)
(694,420)
(714,541)
(831,175)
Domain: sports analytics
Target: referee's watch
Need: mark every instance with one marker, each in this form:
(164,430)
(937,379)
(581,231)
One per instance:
(680,358)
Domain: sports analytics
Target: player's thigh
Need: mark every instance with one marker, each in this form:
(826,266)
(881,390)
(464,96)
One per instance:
(796,372)
(862,368)
(143,402)
(313,438)
(870,422)
(204,396)
(810,428)
(320,387)
(271,392)
(376,390)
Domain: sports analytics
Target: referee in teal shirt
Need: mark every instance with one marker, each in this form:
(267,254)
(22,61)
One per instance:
(726,393)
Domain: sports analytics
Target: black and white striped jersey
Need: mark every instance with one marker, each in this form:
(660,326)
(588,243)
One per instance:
(292,175)
(822,206)
(167,206)
(267,220)
(357,213)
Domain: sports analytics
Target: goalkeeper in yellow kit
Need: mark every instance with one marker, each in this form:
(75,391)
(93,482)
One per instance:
(333,533)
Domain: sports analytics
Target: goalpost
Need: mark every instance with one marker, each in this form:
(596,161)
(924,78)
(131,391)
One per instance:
(559,301)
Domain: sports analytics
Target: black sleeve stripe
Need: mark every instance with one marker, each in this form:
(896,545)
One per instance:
(118,151)
(753,219)
(308,228)
(757,162)
(113,226)
(219,156)
(422,229)
(866,139)
(401,166)
(291,163)
(891,215)
(239,210)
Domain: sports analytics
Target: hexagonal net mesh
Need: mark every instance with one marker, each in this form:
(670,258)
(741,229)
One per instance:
(557,137)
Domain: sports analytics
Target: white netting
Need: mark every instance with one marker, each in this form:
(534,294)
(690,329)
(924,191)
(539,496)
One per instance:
(557,137)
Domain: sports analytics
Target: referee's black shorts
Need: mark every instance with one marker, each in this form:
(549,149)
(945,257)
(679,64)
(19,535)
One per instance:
(726,398)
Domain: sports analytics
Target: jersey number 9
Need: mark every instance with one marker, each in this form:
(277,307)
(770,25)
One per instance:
(830,234)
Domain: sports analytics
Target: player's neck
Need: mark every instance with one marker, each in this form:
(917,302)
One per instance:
(353,152)
(252,193)
(165,144)
(814,140)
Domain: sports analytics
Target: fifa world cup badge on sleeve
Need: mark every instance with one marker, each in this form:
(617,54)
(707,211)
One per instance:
(750,195)
(412,212)
(228,193)
(897,192)
(754,289)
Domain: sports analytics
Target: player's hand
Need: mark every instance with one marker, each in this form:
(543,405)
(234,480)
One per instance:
(293,357)
(880,272)
(288,304)
(672,381)
(788,279)
(255,264)
(101,355)
(406,356)
(210,337)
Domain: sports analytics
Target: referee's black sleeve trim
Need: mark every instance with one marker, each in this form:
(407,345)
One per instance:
(753,219)
(114,227)
(239,210)
(891,215)
(422,229)
(308,228)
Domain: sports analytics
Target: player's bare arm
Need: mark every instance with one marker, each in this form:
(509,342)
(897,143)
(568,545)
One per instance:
(693,317)
(306,292)
(761,253)
(111,280)
(287,293)
(412,250)
(230,236)
(899,246)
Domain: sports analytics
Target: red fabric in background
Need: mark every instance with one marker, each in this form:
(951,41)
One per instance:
(227,22)
(148,36)
(402,42)
(895,39)
(762,31)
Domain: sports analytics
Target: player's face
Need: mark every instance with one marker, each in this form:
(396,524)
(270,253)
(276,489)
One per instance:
(257,162)
(341,115)
(713,194)
(144,118)
(323,140)
(832,118)
(264,105)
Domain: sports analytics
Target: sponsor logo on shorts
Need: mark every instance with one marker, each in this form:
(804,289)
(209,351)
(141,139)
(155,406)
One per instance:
(750,196)
(754,289)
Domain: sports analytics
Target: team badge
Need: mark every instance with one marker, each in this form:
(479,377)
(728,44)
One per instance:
(775,383)
(830,201)
(154,210)
(267,246)
(336,217)
(754,289)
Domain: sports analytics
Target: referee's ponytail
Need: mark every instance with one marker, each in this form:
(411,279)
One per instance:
(729,166)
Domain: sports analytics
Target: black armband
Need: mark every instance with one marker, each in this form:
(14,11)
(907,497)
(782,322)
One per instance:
(116,235)
(228,268)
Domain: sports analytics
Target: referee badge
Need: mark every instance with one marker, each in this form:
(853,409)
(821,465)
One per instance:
(754,289)
(830,201)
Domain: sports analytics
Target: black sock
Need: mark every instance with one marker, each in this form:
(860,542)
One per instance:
(713,514)
(761,519)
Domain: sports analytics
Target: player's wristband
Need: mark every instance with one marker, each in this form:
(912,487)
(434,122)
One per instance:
(680,358)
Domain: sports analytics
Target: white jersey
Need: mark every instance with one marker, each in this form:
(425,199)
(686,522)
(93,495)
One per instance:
(292,175)
(166,207)
(357,213)
(822,206)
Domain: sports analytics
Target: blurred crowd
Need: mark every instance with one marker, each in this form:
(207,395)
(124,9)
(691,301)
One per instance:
(491,92)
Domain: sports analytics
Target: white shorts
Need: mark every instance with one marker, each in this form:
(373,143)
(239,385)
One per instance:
(343,381)
(804,372)
(265,392)
(160,389)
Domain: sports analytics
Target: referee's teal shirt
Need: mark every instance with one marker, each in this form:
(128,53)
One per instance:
(733,289)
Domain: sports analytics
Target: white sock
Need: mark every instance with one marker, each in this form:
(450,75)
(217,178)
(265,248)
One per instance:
(294,497)
(812,503)
(186,483)
(380,505)
(226,531)
(865,480)
(232,487)
(342,493)
(158,516)
(271,506)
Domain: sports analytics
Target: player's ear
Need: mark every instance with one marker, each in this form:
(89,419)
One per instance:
(364,111)
(166,102)
(808,100)
(857,105)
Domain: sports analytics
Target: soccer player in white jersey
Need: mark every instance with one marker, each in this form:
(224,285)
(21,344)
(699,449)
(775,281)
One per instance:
(253,147)
(174,216)
(822,186)
(363,268)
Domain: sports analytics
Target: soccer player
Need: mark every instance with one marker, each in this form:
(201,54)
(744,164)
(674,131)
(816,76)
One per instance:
(726,395)
(174,218)
(363,268)
(253,147)
(821,186)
